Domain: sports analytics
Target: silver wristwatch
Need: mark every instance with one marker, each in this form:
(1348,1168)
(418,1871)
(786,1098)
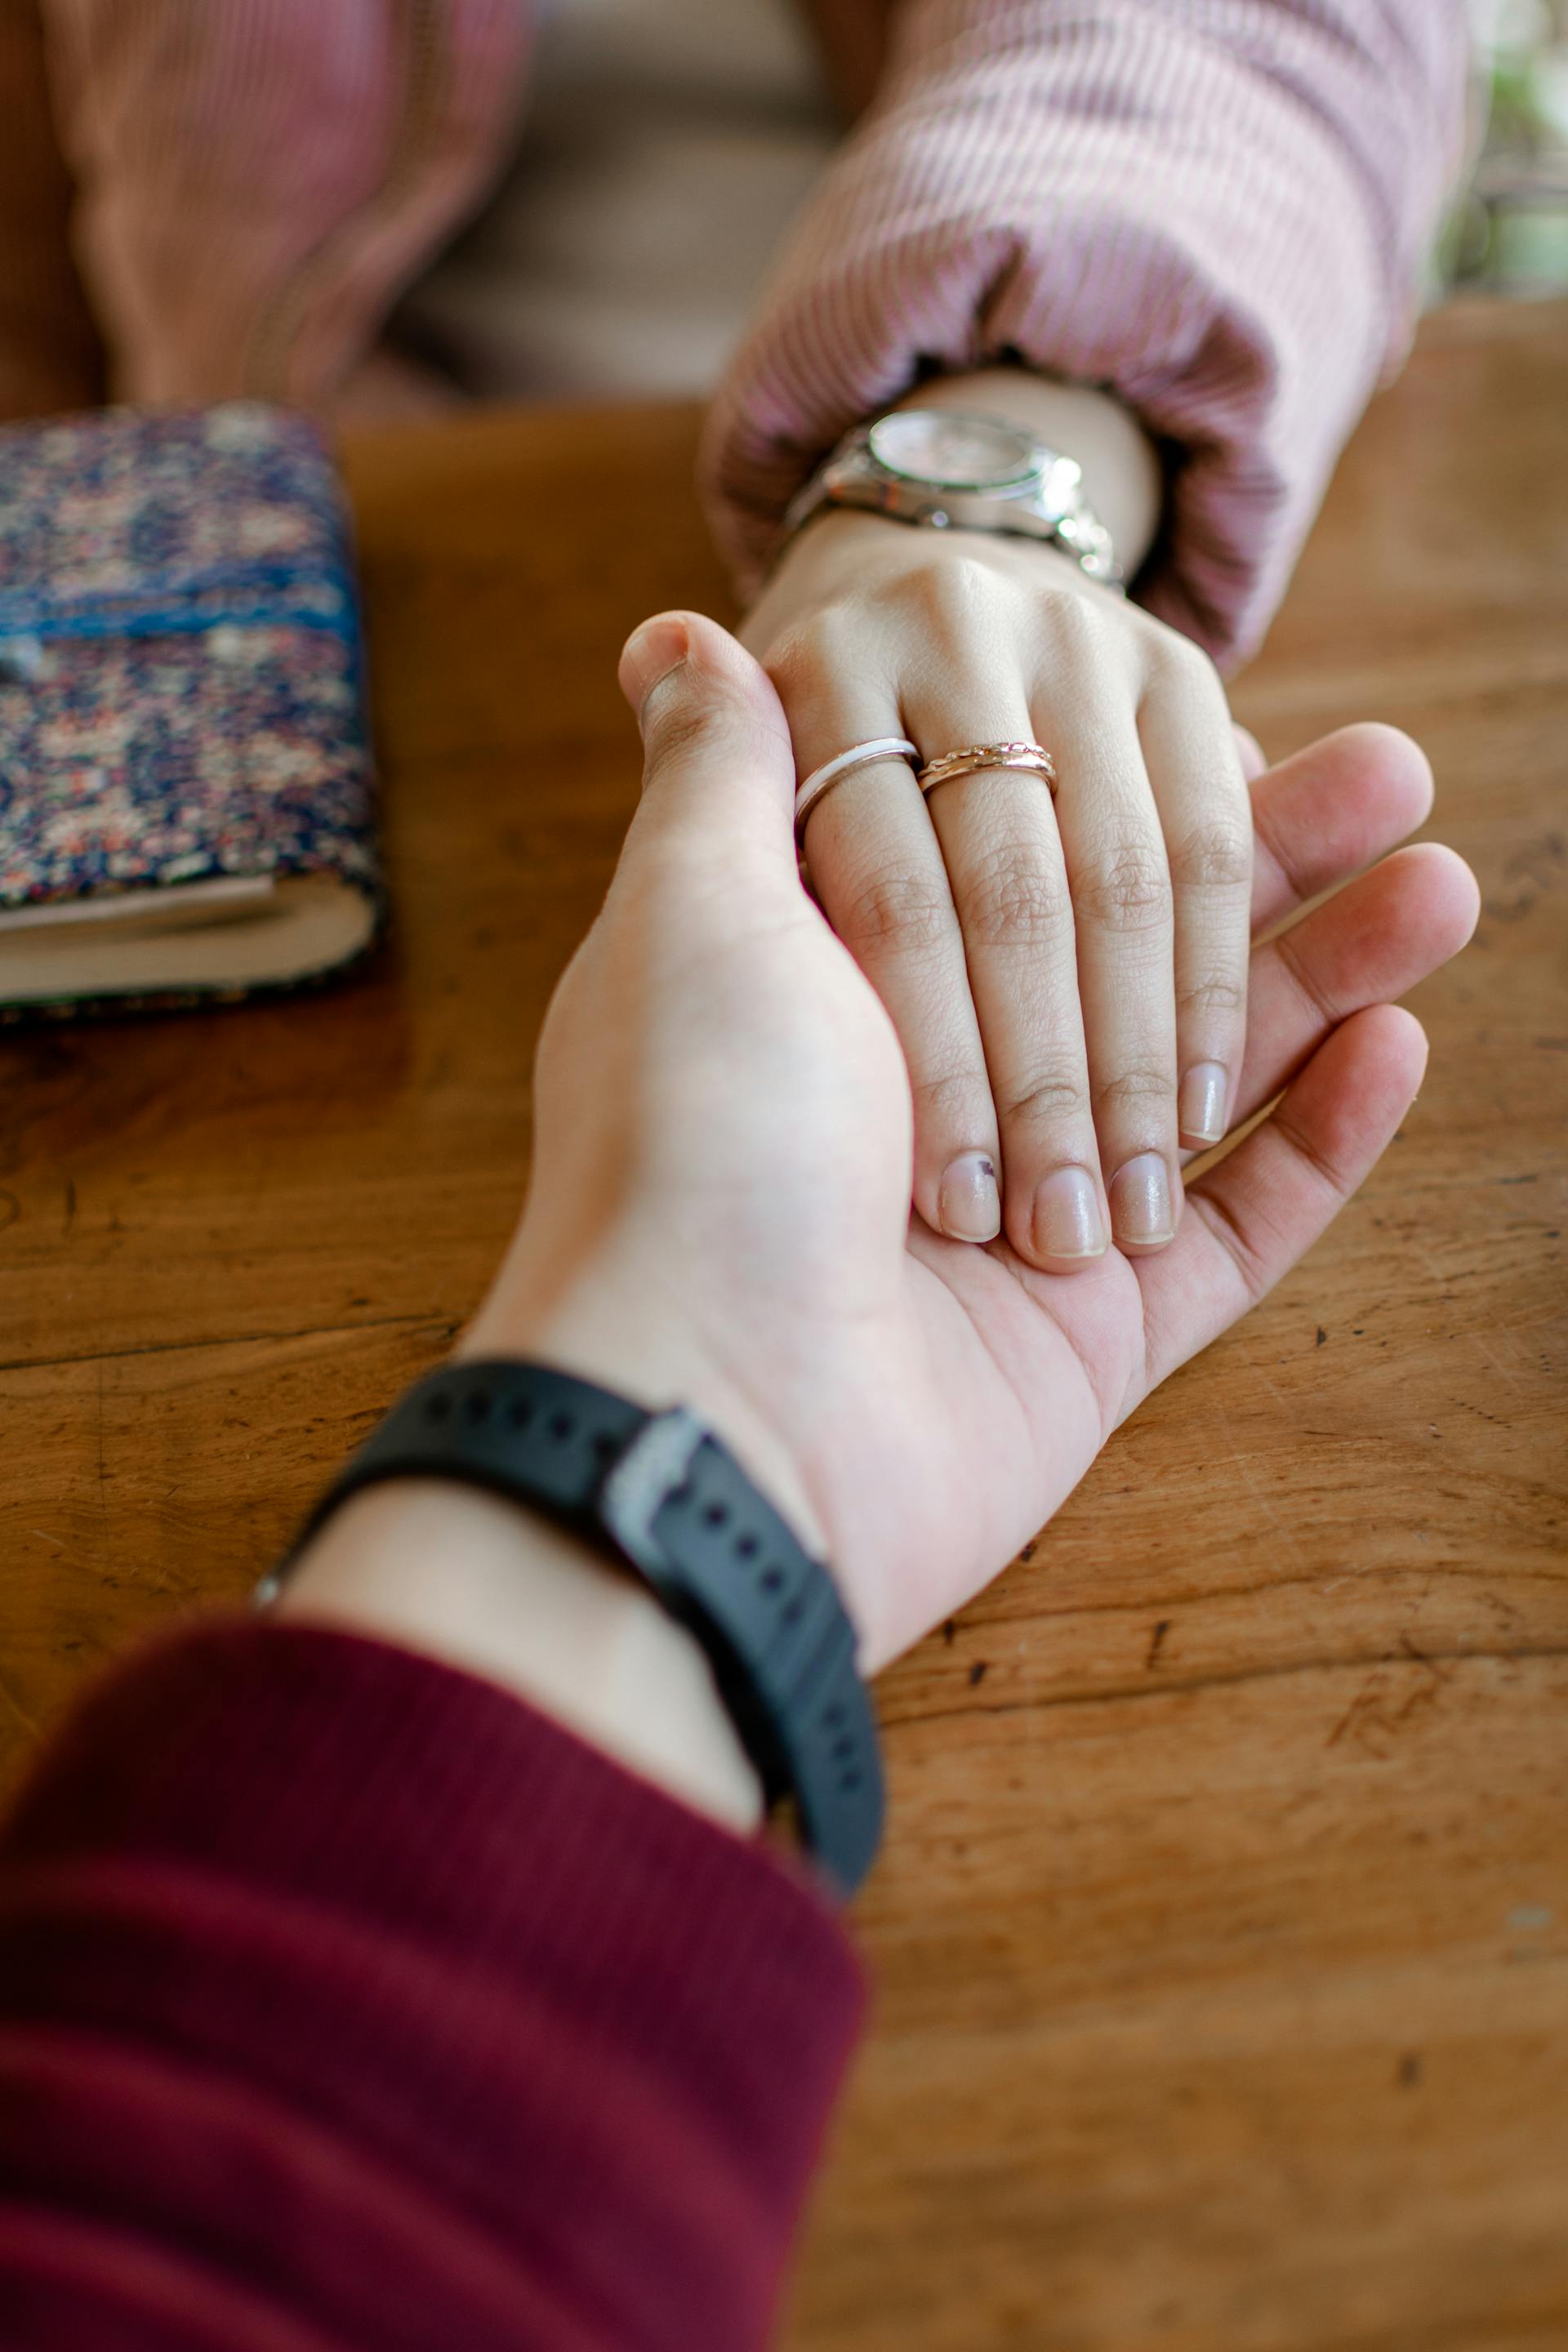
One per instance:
(946,469)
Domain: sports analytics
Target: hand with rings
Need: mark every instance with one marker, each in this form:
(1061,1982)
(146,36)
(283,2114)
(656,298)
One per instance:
(1026,813)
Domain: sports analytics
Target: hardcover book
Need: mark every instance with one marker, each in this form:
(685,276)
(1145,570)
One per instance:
(186,783)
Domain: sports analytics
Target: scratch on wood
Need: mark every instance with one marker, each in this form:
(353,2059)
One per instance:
(1156,1644)
(1371,1719)
(1258,1491)
(1496,1361)
(102,1478)
(1442,1669)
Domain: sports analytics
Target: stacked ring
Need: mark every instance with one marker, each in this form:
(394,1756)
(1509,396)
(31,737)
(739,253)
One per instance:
(1025,759)
(833,772)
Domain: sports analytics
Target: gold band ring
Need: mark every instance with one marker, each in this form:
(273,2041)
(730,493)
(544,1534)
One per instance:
(1025,759)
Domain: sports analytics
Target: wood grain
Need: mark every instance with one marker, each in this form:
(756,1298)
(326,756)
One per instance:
(1222,1941)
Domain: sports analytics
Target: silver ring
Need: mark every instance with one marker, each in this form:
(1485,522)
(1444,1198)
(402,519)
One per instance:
(833,772)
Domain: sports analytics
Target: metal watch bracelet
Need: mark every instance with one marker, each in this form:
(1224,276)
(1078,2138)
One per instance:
(1036,495)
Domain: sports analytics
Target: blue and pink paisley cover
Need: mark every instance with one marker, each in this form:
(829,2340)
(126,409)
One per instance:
(181,682)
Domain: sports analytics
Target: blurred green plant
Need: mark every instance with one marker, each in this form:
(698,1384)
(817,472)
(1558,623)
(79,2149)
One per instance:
(1510,232)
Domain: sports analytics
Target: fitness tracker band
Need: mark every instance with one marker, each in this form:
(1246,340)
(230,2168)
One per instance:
(660,1493)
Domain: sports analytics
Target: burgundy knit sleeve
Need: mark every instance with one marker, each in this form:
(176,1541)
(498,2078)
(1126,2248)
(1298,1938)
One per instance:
(1219,208)
(345,2001)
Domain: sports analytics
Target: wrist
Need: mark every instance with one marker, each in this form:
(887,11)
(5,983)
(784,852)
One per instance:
(840,547)
(1122,475)
(1117,458)
(620,1320)
(483,1585)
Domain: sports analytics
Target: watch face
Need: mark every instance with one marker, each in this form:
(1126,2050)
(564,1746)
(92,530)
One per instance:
(947,451)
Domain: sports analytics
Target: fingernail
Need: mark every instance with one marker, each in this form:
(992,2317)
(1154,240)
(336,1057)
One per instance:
(649,655)
(1141,1202)
(1067,1221)
(1200,1107)
(969,1205)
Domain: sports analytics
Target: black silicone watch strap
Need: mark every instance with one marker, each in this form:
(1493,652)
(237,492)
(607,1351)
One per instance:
(660,1492)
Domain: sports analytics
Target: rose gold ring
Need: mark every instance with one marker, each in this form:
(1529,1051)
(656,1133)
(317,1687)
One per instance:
(1025,759)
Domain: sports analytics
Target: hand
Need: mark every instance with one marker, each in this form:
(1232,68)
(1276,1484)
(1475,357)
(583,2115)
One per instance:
(719,1212)
(1069,980)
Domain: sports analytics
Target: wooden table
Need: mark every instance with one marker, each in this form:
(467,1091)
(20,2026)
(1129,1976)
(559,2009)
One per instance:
(1222,1939)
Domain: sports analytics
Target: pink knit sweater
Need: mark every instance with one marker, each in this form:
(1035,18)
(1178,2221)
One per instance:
(1219,208)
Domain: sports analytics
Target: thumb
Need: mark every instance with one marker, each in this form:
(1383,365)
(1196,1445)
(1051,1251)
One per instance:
(717,765)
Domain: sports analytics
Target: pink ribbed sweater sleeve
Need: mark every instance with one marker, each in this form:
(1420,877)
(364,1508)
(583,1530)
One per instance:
(1219,208)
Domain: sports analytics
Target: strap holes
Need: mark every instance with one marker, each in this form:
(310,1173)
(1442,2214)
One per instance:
(791,1611)
(477,1406)
(748,1547)
(773,1581)
(842,1749)
(606,1447)
(832,1716)
(716,1514)
(849,1782)
(520,1413)
(559,1424)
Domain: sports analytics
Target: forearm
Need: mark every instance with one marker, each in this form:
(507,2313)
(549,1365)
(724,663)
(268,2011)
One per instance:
(369,2006)
(391,1917)
(1223,224)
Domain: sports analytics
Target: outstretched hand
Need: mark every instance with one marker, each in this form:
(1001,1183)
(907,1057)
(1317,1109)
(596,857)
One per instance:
(723,1139)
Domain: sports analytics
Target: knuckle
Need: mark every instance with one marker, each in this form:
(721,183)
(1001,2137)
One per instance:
(910,911)
(1078,633)
(1218,992)
(1054,1094)
(1013,898)
(953,595)
(1127,891)
(808,650)
(1216,855)
(951,1099)
(1138,1088)
(1180,662)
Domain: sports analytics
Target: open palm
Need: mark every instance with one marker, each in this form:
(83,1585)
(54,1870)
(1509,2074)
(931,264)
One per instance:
(723,1153)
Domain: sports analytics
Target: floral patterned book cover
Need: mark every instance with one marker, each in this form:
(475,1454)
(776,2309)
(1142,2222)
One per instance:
(185,786)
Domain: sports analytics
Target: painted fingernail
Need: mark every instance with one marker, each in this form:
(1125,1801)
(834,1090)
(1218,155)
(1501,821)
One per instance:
(1200,1107)
(969,1205)
(1141,1202)
(1067,1223)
